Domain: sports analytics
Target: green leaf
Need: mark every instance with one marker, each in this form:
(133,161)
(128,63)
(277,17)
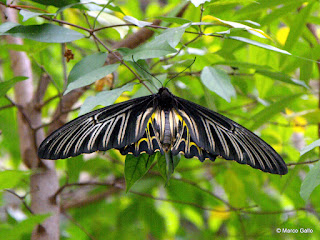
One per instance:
(174,20)
(153,220)
(45,33)
(258,44)
(139,65)
(162,165)
(27,14)
(226,2)
(198,2)
(273,109)
(31,49)
(91,77)
(243,65)
(136,21)
(279,12)
(240,26)
(108,20)
(104,98)
(310,147)
(297,26)
(311,181)
(5,86)
(237,198)
(11,178)
(114,8)
(218,81)
(60,3)
(74,166)
(282,77)
(166,165)
(7,26)
(153,49)
(171,162)
(172,35)
(264,4)
(87,64)
(89,70)
(136,167)
(24,227)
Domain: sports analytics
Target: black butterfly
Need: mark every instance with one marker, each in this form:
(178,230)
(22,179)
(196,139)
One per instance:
(162,122)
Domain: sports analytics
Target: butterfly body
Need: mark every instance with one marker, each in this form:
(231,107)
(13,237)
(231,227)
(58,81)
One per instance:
(166,123)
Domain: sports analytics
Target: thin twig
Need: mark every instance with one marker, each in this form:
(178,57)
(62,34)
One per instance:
(78,225)
(56,118)
(302,163)
(121,61)
(7,106)
(22,199)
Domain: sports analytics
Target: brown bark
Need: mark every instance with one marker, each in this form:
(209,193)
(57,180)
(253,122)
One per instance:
(44,181)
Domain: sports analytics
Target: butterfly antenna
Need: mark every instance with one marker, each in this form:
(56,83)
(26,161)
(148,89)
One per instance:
(182,71)
(146,71)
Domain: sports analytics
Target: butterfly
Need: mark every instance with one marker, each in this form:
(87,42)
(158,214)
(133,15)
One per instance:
(162,122)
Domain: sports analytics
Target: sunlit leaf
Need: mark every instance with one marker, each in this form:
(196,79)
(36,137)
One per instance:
(259,44)
(251,30)
(225,2)
(136,21)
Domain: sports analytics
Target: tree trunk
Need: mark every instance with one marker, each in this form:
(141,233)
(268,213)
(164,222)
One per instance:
(44,182)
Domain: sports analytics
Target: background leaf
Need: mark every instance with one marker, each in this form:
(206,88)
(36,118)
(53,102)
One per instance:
(311,181)
(91,77)
(45,33)
(267,113)
(218,81)
(11,178)
(5,86)
(104,98)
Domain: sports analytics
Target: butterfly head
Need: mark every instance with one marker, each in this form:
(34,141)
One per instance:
(165,98)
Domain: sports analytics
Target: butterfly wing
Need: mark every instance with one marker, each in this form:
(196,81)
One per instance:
(149,143)
(219,135)
(114,126)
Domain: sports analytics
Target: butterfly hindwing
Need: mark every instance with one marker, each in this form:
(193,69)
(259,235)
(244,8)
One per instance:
(114,126)
(219,135)
(149,143)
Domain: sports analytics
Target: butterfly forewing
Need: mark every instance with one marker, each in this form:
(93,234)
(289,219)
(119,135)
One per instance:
(114,126)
